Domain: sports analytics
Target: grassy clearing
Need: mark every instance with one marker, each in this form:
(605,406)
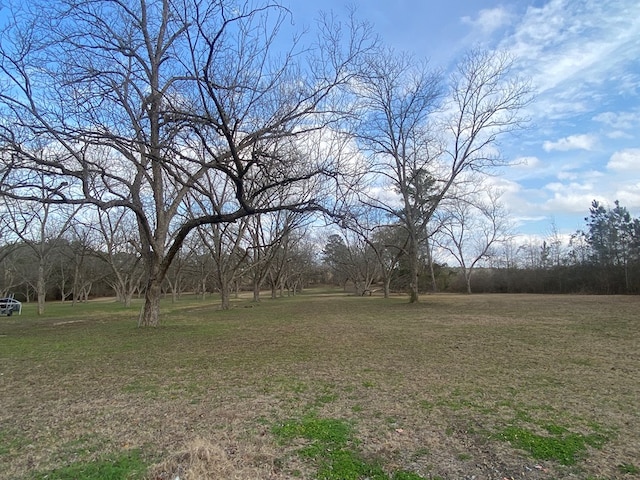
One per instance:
(488,385)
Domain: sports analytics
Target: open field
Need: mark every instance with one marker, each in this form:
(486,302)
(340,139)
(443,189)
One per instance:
(324,385)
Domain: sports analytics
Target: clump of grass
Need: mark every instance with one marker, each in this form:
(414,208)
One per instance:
(331,447)
(318,430)
(11,441)
(629,468)
(559,445)
(128,465)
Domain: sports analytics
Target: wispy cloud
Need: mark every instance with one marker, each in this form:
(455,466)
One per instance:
(489,20)
(566,47)
(572,142)
(619,124)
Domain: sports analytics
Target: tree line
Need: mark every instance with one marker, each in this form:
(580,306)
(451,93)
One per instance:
(601,258)
(75,259)
(164,118)
(78,259)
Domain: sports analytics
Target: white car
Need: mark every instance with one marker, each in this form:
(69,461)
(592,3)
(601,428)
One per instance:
(9,305)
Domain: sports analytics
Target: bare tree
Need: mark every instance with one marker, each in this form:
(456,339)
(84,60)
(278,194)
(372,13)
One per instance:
(81,261)
(471,228)
(352,259)
(121,251)
(397,100)
(39,228)
(131,103)
(387,241)
(420,147)
(225,243)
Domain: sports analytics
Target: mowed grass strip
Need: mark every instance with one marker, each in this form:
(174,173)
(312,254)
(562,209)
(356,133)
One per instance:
(428,388)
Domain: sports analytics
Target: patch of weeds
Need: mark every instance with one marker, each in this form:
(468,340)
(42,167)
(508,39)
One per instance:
(421,452)
(285,384)
(129,465)
(464,457)
(137,386)
(629,468)
(560,445)
(368,384)
(345,464)
(321,430)
(11,442)
(326,398)
(81,447)
(331,448)
(357,408)
(524,416)
(406,476)
(456,402)
(426,405)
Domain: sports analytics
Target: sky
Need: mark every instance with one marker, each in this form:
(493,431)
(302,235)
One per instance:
(582,57)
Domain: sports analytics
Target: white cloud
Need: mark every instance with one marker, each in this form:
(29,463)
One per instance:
(571,187)
(569,48)
(569,201)
(622,124)
(567,175)
(629,197)
(489,20)
(572,142)
(617,134)
(627,160)
(619,120)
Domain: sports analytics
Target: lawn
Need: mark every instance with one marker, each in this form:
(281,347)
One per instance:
(325,385)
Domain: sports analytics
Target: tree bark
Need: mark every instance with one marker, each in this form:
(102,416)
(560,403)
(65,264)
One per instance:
(151,312)
(412,250)
(42,287)
(225,296)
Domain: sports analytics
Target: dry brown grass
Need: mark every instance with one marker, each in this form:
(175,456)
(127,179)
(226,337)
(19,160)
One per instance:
(426,386)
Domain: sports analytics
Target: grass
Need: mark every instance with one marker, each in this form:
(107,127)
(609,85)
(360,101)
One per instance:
(629,468)
(125,466)
(558,444)
(453,387)
(333,448)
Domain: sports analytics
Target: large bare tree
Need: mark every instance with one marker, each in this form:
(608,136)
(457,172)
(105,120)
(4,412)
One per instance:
(423,135)
(132,103)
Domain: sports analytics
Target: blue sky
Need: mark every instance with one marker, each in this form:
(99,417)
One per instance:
(583,59)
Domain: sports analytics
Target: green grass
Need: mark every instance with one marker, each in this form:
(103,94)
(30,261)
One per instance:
(125,466)
(629,468)
(333,448)
(559,444)
(438,389)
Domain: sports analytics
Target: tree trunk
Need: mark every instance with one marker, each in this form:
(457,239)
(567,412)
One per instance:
(225,296)
(434,284)
(256,291)
(387,286)
(42,288)
(151,312)
(412,251)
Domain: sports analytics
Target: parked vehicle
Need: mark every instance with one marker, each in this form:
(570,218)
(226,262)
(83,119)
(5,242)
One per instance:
(8,305)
